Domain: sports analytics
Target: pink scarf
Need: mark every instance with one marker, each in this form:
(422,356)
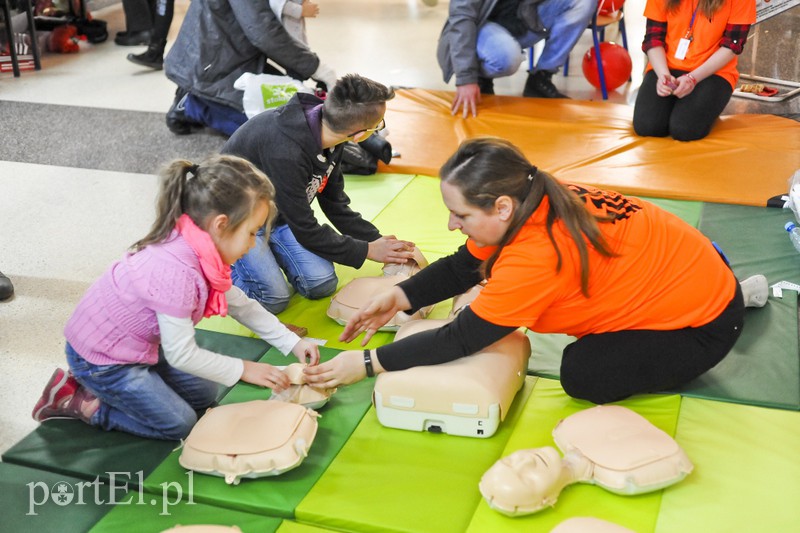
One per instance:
(215,271)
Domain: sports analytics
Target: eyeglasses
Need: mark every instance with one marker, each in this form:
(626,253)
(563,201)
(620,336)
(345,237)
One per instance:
(381,125)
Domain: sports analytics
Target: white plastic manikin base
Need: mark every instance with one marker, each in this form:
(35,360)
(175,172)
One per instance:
(467,397)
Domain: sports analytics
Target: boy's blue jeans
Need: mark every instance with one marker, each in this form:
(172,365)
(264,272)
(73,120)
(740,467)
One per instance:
(152,401)
(260,272)
(500,54)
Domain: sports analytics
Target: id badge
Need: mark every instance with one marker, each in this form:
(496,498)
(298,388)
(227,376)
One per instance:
(683,47)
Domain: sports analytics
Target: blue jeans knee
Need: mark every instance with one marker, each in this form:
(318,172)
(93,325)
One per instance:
(500,54)
(318,288)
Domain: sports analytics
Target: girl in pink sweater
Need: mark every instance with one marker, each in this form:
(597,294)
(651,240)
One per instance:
(134,363)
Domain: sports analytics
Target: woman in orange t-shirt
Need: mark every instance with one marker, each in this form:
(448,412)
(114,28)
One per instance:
(692,48)
(651,300)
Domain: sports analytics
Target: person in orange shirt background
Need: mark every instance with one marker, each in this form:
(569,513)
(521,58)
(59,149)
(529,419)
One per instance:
(692,48)
(650,299)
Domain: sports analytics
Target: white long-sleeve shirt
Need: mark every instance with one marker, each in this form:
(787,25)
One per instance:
(182,352)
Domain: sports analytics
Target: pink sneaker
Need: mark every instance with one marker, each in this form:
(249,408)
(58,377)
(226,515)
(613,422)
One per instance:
(64,397)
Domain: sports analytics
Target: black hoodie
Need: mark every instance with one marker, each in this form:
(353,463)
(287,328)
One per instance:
(285,144)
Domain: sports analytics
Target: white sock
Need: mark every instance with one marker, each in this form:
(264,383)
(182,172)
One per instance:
(755,291)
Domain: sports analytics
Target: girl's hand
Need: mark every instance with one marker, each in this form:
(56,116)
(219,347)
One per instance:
(686,84)
(344,369)
(265,375)
(666,84)
(310,9)
(306,352)
(377,312)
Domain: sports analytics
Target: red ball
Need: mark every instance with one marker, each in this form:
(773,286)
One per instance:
(606,7)
(616,65)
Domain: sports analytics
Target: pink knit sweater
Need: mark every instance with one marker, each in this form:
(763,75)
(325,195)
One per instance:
(115,321)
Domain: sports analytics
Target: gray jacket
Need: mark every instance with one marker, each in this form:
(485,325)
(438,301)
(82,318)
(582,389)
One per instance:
(457,52)
(220,40)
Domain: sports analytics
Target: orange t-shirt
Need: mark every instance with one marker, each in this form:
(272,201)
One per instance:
(706,33)
(666,275)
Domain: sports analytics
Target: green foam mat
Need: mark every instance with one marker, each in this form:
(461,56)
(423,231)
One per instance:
(764,366)
(290,526)
(279,495)
(153,513)
(369,195)
(419,215)
(746,470)
(70,447)
(688,211)
(76,449)
(45,502)
(394,480)
(754,240)
(546,407)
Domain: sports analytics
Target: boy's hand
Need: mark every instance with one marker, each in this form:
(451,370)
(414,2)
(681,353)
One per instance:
(390,249)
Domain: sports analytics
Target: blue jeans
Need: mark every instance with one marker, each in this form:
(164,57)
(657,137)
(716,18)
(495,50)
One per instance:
(152,401)
(500,54)
(260,273)
(216,116)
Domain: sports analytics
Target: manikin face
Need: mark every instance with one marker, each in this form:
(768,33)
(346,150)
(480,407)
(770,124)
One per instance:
(486,228)
(524,481)
(232,245)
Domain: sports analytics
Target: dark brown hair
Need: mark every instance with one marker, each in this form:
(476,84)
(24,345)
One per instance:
(222,184)
(485,169)
(355,103)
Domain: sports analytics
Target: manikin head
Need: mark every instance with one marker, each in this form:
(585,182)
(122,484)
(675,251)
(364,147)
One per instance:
(607,445)
(524,481)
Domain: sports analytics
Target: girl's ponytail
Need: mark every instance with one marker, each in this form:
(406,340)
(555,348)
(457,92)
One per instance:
(221,184)
(168,205)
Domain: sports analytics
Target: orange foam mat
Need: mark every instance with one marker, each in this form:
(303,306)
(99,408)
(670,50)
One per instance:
(745,160)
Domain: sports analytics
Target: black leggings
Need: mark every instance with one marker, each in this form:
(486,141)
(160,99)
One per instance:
(685,119)
(608,367)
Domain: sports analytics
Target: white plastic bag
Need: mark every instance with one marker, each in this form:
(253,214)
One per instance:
(266,91)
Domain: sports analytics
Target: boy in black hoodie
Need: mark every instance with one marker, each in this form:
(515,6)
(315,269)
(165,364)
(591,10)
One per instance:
(299,146)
